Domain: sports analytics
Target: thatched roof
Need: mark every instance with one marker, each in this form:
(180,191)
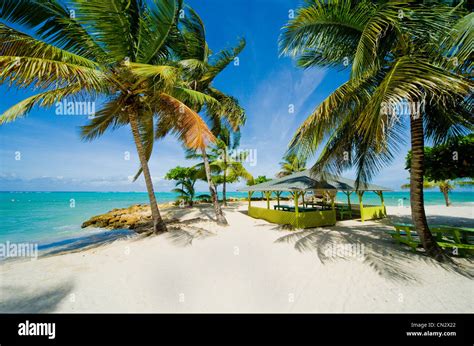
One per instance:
(306,181)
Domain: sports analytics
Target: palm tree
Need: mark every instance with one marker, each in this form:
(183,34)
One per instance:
(445,186)
(186,191)
(202,67)
(258,180)
(230,166)
(224,167)
(399,53)
(291,164)
(119,50)
(185,178)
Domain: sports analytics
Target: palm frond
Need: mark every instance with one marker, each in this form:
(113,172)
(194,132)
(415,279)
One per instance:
(44,99)
(226,109)
(44,73)
(156,24)
(179,119)
(165,75)
(221,60)
(195,99)
(109,117)
(326,32)
(194,45)
(320,124)
(53,23)
(368,55)
(15,43)
(460,42)
(112,24)
(410,79)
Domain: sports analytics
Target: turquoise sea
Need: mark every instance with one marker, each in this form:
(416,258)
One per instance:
(54,218)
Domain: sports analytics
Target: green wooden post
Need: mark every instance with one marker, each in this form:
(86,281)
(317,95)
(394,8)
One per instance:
(348,193)
(250,198)
(383,202)
(295,197)
(267,195)
(361,205)
(333,207)
(380,193)
(278,193)
(302,197)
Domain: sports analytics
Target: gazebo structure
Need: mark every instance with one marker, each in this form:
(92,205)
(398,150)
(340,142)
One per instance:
(314,214)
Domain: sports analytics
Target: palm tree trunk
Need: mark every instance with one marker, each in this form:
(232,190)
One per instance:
(224,191)
(217,208)
(224,183)
(416,190)
(446,197)
(158,224)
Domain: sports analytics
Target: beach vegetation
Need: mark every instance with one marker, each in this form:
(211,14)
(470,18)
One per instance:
(225,167)
(201,67)
(291,164)
(396,53)
(185,178)
(448,165)
(132,56)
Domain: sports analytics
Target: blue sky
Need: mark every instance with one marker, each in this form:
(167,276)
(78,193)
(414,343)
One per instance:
(53,158)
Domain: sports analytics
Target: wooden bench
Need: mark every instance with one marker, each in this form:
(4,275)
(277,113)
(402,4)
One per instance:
(344,210)
(284,207)
(460,239)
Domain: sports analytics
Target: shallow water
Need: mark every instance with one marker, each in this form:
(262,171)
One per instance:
(53,219)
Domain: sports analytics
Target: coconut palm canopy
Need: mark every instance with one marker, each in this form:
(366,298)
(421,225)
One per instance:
(398,52)
(307,181)
(420,57)
(135,54)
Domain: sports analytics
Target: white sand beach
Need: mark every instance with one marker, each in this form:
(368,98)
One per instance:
(351,267)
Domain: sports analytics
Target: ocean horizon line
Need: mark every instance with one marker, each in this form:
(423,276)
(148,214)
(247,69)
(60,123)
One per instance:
(91,191)
(464,189)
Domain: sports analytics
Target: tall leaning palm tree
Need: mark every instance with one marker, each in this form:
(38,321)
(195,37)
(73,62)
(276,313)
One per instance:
(398,53)
(119,50)
(201,68)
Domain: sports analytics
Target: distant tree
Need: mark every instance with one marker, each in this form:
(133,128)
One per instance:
(291,164)
(449,161)
(185,178)
(260,179)
(448,165)
(230,169)
(225,167)
(445,186)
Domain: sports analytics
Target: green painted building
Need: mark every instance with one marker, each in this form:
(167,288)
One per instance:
(312,201)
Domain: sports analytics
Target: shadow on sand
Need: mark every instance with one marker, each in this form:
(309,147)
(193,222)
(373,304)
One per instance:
(24,301)
(206,210)
(183,232)
(375,248)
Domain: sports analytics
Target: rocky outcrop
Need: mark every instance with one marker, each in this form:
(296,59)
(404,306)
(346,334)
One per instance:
(136,217)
